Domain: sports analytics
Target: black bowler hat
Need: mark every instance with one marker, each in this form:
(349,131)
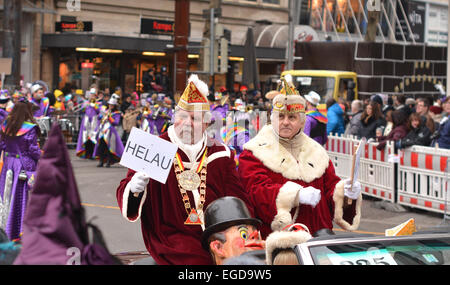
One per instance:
(223,213)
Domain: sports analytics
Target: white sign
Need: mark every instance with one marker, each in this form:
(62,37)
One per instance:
(372,256)
(358,158)
(149,154)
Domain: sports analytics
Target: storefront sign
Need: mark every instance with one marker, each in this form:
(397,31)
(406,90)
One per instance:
(87,65)
(157,27)
(73,26)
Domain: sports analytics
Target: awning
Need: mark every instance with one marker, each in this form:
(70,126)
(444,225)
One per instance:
(277,36)
(135,44)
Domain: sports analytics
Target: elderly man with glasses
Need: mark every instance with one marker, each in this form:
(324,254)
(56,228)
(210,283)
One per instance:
(286,172)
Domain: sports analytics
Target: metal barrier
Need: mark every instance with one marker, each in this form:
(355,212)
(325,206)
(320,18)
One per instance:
(423,178)
(69,123)
(376,169)
(70,126)
(417,177)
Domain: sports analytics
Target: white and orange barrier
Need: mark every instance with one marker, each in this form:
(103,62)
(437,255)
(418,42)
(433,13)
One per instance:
(423,178)
(417,177)
(376,169)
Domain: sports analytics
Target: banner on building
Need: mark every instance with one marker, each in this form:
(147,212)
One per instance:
(157,27)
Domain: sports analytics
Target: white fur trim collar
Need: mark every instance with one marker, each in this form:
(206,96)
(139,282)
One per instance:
(311,163)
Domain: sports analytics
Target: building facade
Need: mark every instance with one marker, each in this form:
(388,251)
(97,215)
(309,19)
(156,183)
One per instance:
(113,43)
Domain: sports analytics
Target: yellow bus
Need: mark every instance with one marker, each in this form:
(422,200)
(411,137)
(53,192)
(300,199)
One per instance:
(327,83)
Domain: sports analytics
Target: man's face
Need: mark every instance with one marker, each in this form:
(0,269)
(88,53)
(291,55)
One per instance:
(287,125)
(189,126)
(421,108)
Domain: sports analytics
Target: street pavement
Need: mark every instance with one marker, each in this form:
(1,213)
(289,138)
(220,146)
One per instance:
(97,188)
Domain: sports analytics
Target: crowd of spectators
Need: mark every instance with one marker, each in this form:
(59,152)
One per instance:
(406,121)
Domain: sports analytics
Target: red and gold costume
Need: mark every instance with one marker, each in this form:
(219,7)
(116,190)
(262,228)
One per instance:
(162,207)
(275,170)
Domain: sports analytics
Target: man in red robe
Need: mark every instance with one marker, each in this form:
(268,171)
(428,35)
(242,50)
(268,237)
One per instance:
(287,173)
(172,213)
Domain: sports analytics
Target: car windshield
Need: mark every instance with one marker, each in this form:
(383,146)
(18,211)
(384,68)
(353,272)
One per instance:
(324,86)
(392,252)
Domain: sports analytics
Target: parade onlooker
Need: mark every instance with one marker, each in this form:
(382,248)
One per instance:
(399,130)
(147,79)
(335,115)
(389,124)
(129,121)
(19,144)
(353,127)
(371,119)
(419,134)
(423,109)
(162,79)
(411,103)
(126,103)
(436,114)
(400,104)
(387,105)
(316,122)
(109,146)
(443,133)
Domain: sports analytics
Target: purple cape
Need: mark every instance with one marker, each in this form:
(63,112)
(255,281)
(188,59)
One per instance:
(55,230)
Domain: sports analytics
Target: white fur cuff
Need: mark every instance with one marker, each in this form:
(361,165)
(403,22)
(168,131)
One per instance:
(339,198)
(286,200)
(126,194)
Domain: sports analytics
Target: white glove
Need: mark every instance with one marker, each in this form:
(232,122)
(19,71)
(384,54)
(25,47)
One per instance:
(352,193)
(138,182)
(309,196)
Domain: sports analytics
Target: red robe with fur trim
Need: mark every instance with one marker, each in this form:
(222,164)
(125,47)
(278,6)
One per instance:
(162,211)
(265,167)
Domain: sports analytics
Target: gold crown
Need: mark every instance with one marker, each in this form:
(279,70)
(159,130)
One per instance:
(289,100)
(192,99)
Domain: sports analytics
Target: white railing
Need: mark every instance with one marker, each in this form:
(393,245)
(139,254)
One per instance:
(417,177)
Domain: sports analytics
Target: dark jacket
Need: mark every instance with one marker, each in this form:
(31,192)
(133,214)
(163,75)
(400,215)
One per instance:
(419,136)
(444,133)
(396,134)
(368,130)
